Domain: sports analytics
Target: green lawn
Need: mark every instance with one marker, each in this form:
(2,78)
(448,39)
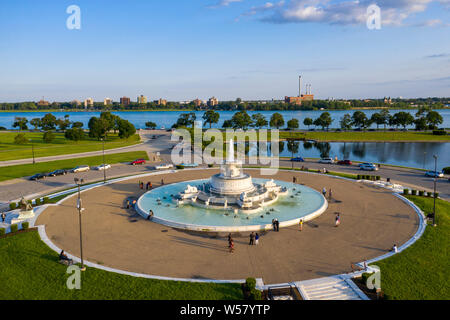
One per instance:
(11,151)
(29,270)
(421,272)
(25,170)
(366,136)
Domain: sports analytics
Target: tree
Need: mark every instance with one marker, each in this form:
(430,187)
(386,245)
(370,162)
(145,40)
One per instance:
(227,124)
(36,123)
(48,122)
(20,139)
(48,137)
(126,129)
(403,119)
(434,119)
(259,121)
(308,122)
(98,128)
(77,125)
(346,122)
(63,124)
(378,119)
(75,134)
(360,120)
(385,115)
(421,124)
(293,147)
(211,117)
(186,120)
(276,120)
(150,125)
(241,120)
(293,124)
(324,121)
(21,123)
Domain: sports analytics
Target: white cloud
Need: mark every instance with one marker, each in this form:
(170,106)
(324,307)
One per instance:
(223,3)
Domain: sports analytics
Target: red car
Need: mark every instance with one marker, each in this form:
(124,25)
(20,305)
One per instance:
(345,162)
(138,161)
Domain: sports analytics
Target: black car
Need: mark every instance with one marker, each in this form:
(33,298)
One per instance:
(57,173)
(38,176)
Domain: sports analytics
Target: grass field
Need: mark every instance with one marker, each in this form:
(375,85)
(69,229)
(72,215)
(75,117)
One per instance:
(421,272)
(29,270)
(59,146)
(366,136)
(25,170)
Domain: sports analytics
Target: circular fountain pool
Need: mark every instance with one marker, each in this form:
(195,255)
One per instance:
(300,203)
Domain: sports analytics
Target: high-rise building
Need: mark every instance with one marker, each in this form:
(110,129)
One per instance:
(107,101)
(161,102)
(125,101)
(89,102)
(197,102)
(212,102)
(43,103)
(142,99)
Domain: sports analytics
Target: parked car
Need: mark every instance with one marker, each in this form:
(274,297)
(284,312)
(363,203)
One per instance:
(164,166)
(38,176)
(298,159)
(189,165)
(434,174)
(103,167)
(138,161)
(81,169)
(368,167)
(345,163)
(326,160)
(57,173)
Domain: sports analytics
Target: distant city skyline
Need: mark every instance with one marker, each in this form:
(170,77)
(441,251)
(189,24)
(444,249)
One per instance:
(249,49)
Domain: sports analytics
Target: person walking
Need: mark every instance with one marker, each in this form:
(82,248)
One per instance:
(294,180)
(324,191)
(150,215)
(231,246)
(277,225)
(151,186)
(301,224)
(128,203)
(274,225)
(252,239)
(3,217)
(257,239)
(229,239)
(395,249)
(162,182)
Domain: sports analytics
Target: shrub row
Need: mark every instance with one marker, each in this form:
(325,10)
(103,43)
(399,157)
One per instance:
(421,193)
(368,177)
(439,133)
(38,202)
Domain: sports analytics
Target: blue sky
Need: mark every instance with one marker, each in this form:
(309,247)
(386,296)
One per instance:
(184,49)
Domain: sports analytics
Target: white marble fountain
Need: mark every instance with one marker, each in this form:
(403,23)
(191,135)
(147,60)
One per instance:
(231,189)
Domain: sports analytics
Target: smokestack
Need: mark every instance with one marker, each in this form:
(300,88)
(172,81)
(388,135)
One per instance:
(300,86)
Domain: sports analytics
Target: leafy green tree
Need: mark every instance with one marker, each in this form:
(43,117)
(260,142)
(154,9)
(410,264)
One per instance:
(48,122)
(20,139)
(346,122)
(293,124)
(259,121)
(98,128)
(63,124)
(241,120)
(227,124)
(403,119)
(186,120)
(359,119)
(48,137)
(150,125)
(277,120)
(36,123)
(308,122)
(211,117)
(126,129)
(324,121)
(378,119)
(21,123)
(75,134)
(293,147)
(77,125)
(434,119)
(385,115)
(421,124)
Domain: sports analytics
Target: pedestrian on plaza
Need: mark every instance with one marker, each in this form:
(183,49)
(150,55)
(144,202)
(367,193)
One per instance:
(394,248)
(151,186)
(277,225)
(231,246)
(162,182)
(257,239)
(324,192)
(229,238)
(147,186)
(3,217)
(301,224)
(330,195)
(274,225)
(134,204)
(128,203)
(338,220)
(150,216)
(294,180)
(252,239)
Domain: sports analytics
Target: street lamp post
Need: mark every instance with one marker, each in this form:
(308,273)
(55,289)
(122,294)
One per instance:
(79,183)
(32,151)
(434,196)
(104,164)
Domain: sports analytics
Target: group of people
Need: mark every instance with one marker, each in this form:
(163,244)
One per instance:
(131,203)
(330,193)
(276,225)
(254,239)
(149,185)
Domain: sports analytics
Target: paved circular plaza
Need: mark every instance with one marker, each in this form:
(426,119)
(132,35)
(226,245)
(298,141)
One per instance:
(372,220)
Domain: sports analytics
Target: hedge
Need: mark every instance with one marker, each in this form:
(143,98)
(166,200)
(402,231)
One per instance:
(12,206)
(2,231)
(14,228)
(25,225)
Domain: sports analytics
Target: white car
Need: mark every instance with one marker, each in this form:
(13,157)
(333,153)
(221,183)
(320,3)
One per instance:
(326,160)
(103,167)
(368,167)
(164,166)
(81,169)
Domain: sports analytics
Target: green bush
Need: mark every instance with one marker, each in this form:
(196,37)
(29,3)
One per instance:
(250,284)
(25,225)
(436,195)
(446,170)
(406,192)
(421,193)
(14,228)
(414,192)
(46,200)
(358,177)
(378,178)
(2,231)
(12,206)
(37,201)
(255,295)
(439,133)
(429,194)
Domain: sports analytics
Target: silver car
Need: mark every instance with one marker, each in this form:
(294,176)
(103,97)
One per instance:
(81,169)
